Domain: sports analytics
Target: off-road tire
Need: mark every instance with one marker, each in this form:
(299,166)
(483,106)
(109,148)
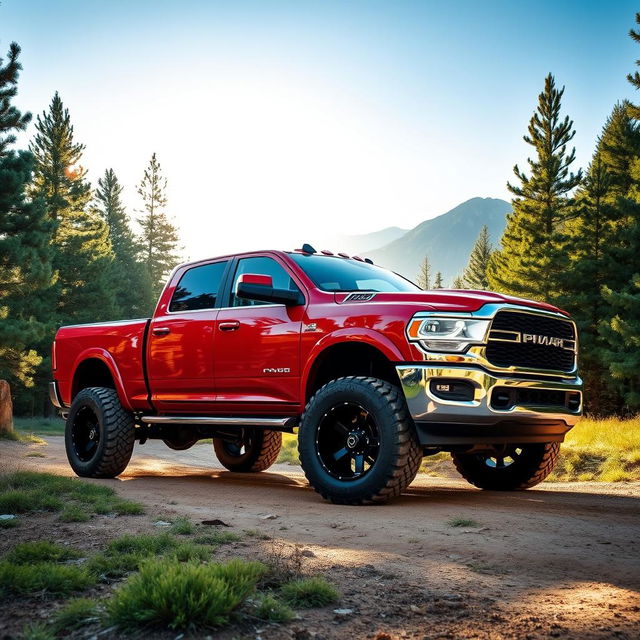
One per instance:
(530,468)
(261,450)
(399,455)
(115,427)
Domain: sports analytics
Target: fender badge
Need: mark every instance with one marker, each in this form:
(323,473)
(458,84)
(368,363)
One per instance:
(311,327)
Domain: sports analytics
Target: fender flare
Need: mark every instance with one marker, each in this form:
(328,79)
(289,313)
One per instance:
(96,353)
(370,337)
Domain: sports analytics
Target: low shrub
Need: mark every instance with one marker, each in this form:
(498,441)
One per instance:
(41,551)
(74,513)
(266,607)
(76,613)
(52,578)
(307,593)
(182,527)
(462,522)
(37,631)
(218,537)
(188,596)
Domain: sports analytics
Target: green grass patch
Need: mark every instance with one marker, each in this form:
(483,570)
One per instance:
(189,552)
(182,527)
(48,577)
(269,608)
(75,614)
(41,426)
(29,491)
(289,450)
(74,513)
(109,567)
(9,524)
(605,450)
(41,551)
(18,436)
(218,537)
(462,522)
(167,593)
(35,454)
(37,631)
(126,554)
(145,545)
(307,593)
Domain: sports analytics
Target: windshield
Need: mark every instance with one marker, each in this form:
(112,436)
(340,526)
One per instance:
(331,273)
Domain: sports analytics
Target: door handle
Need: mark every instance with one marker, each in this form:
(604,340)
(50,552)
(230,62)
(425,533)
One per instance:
(161,331)
(229,326)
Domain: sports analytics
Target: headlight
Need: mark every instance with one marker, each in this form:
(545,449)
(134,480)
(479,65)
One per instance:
(447,334)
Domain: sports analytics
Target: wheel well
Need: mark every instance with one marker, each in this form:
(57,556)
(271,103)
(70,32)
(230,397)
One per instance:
(91,373)
(349,359)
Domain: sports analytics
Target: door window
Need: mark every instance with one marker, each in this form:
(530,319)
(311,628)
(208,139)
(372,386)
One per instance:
(198,288)
(266,267)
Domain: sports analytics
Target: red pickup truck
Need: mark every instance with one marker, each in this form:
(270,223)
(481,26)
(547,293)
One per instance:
(373,372)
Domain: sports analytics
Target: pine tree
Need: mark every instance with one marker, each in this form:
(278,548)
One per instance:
(458,283)
(159,238)
(634,78)
(25,258)
(437,283)
(590,242)
(130,284)
(620,329)
(475,274)
(424,275)
(82,252)
(531,259)
(11,119)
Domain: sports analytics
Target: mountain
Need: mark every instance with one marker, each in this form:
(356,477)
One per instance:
(357,243)
(446,239)
(368,241)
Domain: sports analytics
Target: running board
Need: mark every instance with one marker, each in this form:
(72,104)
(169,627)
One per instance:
(241,421)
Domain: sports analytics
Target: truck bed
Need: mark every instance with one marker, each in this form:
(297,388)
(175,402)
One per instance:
(119,345)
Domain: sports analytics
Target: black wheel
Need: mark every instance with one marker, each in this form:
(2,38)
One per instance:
(357,443)
(508,467)
(253,450)
(99,434)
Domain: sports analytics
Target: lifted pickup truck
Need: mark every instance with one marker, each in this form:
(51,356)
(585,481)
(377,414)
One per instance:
(374,372)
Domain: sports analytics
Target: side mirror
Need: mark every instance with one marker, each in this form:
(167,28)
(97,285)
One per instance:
(255,286)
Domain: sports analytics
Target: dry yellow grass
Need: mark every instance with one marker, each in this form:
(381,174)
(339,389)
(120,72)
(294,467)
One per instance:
(606,450)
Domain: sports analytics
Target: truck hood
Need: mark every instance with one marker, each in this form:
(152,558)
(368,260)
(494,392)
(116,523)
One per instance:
(462,300)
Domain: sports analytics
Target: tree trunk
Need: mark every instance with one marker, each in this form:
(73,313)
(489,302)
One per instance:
(6,408)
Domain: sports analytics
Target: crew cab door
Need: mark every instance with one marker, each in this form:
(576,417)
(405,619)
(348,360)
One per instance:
(257,359)
(181,341)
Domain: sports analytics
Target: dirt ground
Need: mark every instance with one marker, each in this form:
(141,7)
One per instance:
(561,560)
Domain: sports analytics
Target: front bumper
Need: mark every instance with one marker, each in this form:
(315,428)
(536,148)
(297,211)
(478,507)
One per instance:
(496,410)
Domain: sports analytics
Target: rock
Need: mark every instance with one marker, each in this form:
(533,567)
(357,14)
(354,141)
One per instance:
(343,612)
(307,553)
(269,516)
(7,516)
(161,523)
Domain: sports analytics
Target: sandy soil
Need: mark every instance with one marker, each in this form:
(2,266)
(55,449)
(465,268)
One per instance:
(560,560)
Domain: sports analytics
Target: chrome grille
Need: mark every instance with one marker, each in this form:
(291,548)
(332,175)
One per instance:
(532,341)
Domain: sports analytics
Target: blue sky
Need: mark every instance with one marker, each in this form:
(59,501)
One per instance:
(281,122)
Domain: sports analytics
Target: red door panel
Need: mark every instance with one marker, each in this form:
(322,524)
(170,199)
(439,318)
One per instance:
(180,361)
(257,358)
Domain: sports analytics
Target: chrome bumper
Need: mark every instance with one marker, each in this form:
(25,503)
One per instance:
(442,422)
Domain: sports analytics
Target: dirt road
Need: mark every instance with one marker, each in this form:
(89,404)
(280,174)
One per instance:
(561,560)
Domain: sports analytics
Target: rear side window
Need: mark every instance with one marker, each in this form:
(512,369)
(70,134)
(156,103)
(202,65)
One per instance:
(198,288)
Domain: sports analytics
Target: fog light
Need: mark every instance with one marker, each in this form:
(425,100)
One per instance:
(454,390)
